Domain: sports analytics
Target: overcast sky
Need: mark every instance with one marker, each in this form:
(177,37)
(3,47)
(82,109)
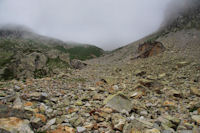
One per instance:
(105,23)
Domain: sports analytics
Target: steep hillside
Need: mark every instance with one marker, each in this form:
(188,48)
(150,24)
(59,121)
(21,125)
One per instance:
(183,29)
(24,54)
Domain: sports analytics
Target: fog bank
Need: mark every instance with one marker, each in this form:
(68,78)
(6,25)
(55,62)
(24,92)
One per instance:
(105,23)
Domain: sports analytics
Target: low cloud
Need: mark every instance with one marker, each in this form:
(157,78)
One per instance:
(105,23)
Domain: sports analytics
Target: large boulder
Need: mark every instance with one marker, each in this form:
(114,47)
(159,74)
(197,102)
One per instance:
(149,49)
(15,125)
(77,64)
(33,61)
(119,103)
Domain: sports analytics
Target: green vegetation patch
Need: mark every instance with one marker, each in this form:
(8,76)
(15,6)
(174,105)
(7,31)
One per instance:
(5,57)
(7,75)
(57,63)
(61,48)
(84,52)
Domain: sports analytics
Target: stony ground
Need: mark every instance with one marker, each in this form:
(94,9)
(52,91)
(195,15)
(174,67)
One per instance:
(159,94)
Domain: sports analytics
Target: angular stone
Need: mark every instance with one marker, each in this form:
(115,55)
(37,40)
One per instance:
(49,123)
(62,129)
(66,102)
(195,91)
(137,126)
(144,113)
(28,108)
(137,94)
(196,129)
(154,130)
(167,131)
(172,119)
(77,64)
(41,116)
(13,124)
(182,64)
(36,123)
(169,104)
(81,129)
(166,123)
(79,103)
(37,96)
(28,104)
(18,103)
(118,121)
(196,118)
(119,103)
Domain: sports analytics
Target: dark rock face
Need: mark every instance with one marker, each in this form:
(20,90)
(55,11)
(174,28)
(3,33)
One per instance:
(77,64)
(150,49)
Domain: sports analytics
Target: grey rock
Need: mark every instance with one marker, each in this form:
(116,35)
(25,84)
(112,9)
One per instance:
(81,129)
(18,103)
(49,123)
(167,131)
(196,118)
(77,64)
(36,123)
(17,88)
(144,113)
(37,96)
(185,131)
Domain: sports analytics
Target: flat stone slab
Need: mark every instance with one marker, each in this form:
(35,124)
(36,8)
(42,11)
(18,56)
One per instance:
(118,102)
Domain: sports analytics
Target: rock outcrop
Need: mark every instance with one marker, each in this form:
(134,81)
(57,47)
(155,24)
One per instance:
(150,49)
(77,64)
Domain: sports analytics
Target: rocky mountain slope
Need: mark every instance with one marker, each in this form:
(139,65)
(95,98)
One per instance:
(24,54)
(149,86)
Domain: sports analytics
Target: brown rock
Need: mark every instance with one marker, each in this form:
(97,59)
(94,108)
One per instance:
(195,91)
(13,124)
(107,110)
(149,49)
(61,129)
(28,104)
(169,104)
(41,116)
